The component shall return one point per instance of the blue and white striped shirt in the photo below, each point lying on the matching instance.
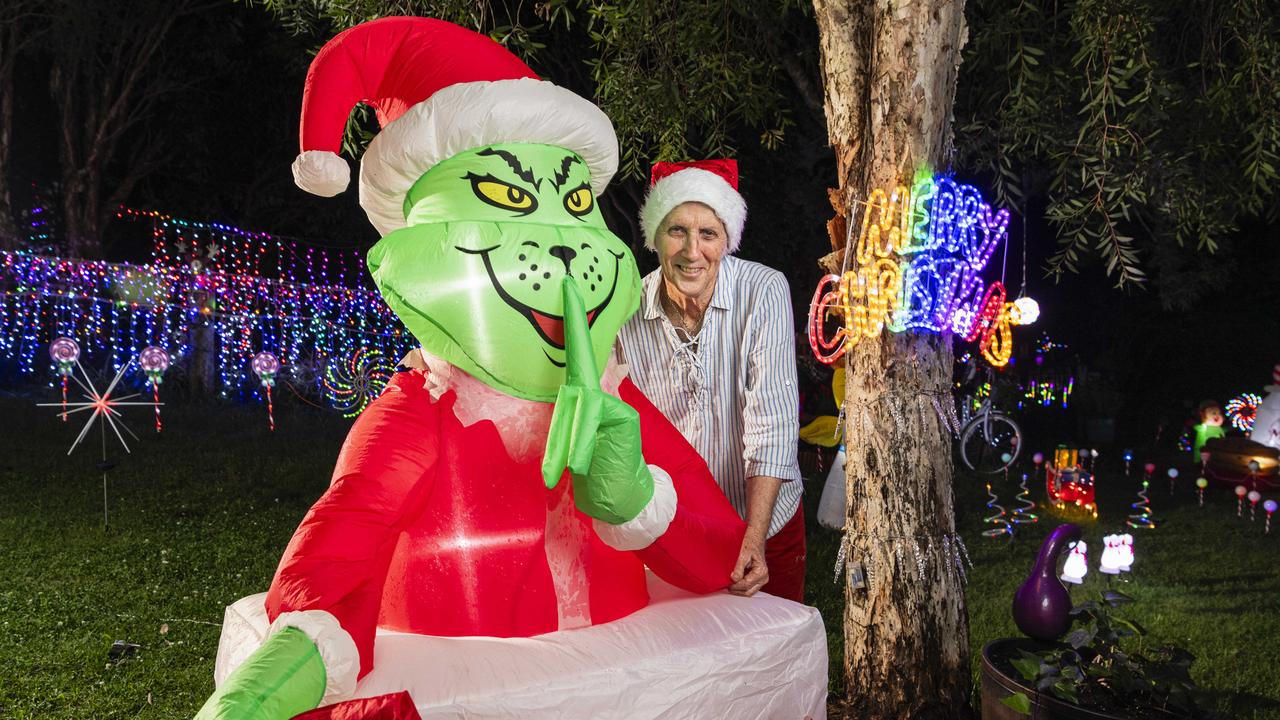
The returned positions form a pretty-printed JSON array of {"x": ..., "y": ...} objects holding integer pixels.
[{"x": 732, "y": 393}]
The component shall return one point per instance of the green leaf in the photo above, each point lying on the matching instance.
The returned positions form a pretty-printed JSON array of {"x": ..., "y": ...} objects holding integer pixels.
[
  {"x": 1028, "y": 669},
  {"x": 1115, "y": 598},
  {"x": 1019, "y": 702}
]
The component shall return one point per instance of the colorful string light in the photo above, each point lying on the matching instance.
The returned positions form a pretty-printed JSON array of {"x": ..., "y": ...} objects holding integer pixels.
[
  {"x": 919, "y": 257},
  {"x": 1242, "y": 410},
  {"x": 1023, "y": 515},
  {"x": 998, "y": 520},
  {"x": 247, "y": 290}
]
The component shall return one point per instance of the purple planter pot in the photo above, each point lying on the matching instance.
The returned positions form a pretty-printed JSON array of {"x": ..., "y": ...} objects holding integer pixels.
[{"x": 1042, "y": 606}]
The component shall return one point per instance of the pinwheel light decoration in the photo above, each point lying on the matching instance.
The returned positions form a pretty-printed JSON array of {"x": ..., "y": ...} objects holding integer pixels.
[{"x": 354, "y": 383}]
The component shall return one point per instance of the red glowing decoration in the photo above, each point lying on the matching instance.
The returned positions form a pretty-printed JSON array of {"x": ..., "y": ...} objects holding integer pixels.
[{"x": 1067, "y": 483}]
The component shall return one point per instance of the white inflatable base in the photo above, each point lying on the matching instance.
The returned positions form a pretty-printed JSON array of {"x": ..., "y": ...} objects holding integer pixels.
[{"x": 683, "y": 656}]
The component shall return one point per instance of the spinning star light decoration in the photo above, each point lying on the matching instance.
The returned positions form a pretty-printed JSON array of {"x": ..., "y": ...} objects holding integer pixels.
[{"x": 102, "y": 404}]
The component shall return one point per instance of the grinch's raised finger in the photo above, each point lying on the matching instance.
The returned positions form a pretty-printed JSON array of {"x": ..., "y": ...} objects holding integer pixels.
[{"x": 580, "y": 358}]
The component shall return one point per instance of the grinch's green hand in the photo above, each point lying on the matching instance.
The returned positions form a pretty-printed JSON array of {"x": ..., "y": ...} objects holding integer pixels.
[
  {"x": 594, "y": 434},
  {"x": 282, "y": 678}
]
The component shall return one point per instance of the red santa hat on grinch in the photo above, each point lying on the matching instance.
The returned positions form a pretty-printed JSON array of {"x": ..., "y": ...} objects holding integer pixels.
[
  {"x": 713, "y": 183},
  {"x": 437, "y": 89}
]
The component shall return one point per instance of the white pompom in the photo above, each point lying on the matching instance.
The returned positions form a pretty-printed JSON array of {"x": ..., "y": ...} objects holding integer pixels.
[{"x": 321, "y": 172}]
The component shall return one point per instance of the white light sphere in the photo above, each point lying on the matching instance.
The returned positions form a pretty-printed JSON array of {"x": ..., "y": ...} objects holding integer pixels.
[{"x": 1028, "y": 311}]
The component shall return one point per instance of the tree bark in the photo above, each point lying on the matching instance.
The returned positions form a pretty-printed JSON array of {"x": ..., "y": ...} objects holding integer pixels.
[{"x": 889, "y": 71}]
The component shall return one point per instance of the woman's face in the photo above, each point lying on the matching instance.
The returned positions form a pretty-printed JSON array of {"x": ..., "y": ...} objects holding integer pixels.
[{"x": 691, "y": 242}]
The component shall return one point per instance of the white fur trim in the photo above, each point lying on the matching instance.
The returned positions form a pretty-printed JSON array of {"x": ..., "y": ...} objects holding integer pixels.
[
  {"x": 640, "y": 531},
  {"x": 337, "y": 650},
  {"x": 321, "y": 172},
  {"x": 470, "y": 115},
  {"x": 694, "y": 185}
]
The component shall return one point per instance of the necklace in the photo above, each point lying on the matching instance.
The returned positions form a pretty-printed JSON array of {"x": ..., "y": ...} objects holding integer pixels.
[{"x": 677, "y": 316}]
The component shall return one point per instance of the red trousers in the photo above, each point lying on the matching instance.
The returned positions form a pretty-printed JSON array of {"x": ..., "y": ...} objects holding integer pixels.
[{"x": 784, "y": 556}]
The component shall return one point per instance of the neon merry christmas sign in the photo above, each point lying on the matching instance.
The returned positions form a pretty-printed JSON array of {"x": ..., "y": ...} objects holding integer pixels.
[{"x": 918, "y": 265}]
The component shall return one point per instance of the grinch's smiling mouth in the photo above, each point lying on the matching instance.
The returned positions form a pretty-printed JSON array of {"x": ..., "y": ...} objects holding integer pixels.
[{"x": 549, "y": 327}]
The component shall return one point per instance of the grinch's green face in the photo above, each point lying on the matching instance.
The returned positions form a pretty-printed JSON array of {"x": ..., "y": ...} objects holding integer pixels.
[{"x": 476, "y": 275}]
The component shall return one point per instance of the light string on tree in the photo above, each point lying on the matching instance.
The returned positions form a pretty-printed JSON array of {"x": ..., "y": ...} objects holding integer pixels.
[
  {"x": 1242, "y": 411},
  {"x": 918, "y": 262},
  {"x": 946, "y": 551}
]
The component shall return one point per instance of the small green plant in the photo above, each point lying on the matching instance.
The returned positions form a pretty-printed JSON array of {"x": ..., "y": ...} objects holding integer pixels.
[{"x": 1105, "y": 664}]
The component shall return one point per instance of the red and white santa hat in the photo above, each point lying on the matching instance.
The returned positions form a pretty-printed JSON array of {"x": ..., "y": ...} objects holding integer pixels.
[
  {"x": 713, "y": 183},
  {"x": 438, "y": 89}
]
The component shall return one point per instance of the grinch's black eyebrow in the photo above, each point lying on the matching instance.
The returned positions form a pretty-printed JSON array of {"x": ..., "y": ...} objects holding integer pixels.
[
  {"x": 516, "y": 167},
  {"x": 563, "y": 174}
]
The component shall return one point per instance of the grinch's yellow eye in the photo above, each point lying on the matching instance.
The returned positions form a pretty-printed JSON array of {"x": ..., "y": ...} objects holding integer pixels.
[
  {"x": 580, "y": 201},
  {"x": 503, "y": 195}
]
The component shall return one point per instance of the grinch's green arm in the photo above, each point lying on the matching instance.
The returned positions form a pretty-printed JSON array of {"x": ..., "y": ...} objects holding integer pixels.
[
  {"x": 282, "y": 678},
  {"x": 594, "y": 434}
]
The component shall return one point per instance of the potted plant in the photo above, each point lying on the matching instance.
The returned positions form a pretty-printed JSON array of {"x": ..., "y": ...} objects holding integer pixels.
[{"x": 1104, "y": 669}]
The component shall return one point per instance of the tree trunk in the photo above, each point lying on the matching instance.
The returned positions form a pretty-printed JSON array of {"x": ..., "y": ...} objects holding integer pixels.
[
  {"x": 889, "y": 70},
  {"x": 10, "y": 238}
]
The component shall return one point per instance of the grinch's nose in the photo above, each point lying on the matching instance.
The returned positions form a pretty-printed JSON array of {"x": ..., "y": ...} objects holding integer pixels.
[{"x": 566, "y": 255}]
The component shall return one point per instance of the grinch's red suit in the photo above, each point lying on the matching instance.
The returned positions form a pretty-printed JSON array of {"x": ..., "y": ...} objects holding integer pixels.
[{"x": 430, "y": 526}]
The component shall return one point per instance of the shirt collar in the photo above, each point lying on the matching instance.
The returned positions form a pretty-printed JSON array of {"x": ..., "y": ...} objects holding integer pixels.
[{"x": 721, "y": 297}]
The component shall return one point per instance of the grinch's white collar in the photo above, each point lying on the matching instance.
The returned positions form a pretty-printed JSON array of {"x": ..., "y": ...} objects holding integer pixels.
[{"x": 522, "y": 424}]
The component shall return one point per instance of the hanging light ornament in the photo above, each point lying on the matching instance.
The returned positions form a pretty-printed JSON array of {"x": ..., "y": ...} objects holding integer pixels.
[
  {"x": 351, "y": 385},
  {"x": 1242, "y": 410}
]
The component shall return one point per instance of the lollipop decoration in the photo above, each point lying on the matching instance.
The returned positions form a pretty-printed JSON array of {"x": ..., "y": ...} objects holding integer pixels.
[
  {"x": 1000, "y": 525},
  {"x": 1270, "y": 507},
  {"x": 351, "y": 385},
  {"x": 1142, "y": 520},
  {"x": 1204, "y": 461},
  {"x": 66, "y": 353},
  {"x": 1242, "y": 411},
  {"x": 1253, "y": 473},
  {"x": 1128, "y": 458},
  {"x": 1038, "y": 459},
  {"x": 1254, "y": 496},
  {"x": 1149, "y": 470},
  {"x": 1173, "y": 476},
  {"x": 154, "y": 361},
  {"x": 1201, "y": 484},
  {"x": 1023, "y": 515},
  {"x": 1240, "y": 493},
  {"x": 266, "y": 365}
]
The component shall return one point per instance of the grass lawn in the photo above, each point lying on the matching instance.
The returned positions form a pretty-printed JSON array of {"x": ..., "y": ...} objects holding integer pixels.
[{"x": 201, "y": 513}]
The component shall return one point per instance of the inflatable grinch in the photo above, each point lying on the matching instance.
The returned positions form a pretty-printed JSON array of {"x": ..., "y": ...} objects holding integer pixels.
[{"x": 519, "y": 485}]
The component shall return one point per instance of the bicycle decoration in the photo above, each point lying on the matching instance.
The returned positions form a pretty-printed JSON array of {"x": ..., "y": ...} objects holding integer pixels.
[
  {"x": 1000, "y": 525},
  {"x": 265, "y": 365},
  {"x": 1142, "y": 519},
  {"x": 917, "y": 266},
  {"x": 1023, "y": 515},
  {"x": 154, "y": 361},
  {"x": 65, "y": 353},
  {"x": 990, "y": 441},
  {"x": 1242, "y": 411},
  {"x": 351, "y": 385},
  {"x": 1067, "y": 484},
  {"x": 1201, "y": 484}
]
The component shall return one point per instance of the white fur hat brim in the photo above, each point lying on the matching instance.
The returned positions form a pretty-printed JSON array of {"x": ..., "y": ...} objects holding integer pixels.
[
  {"x": 469, "y": 115},
  {"x": 694, "y": 185}
]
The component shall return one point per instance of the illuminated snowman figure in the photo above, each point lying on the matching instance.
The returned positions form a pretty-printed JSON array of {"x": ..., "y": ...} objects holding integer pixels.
[{"x": 1077, "y": 565}]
